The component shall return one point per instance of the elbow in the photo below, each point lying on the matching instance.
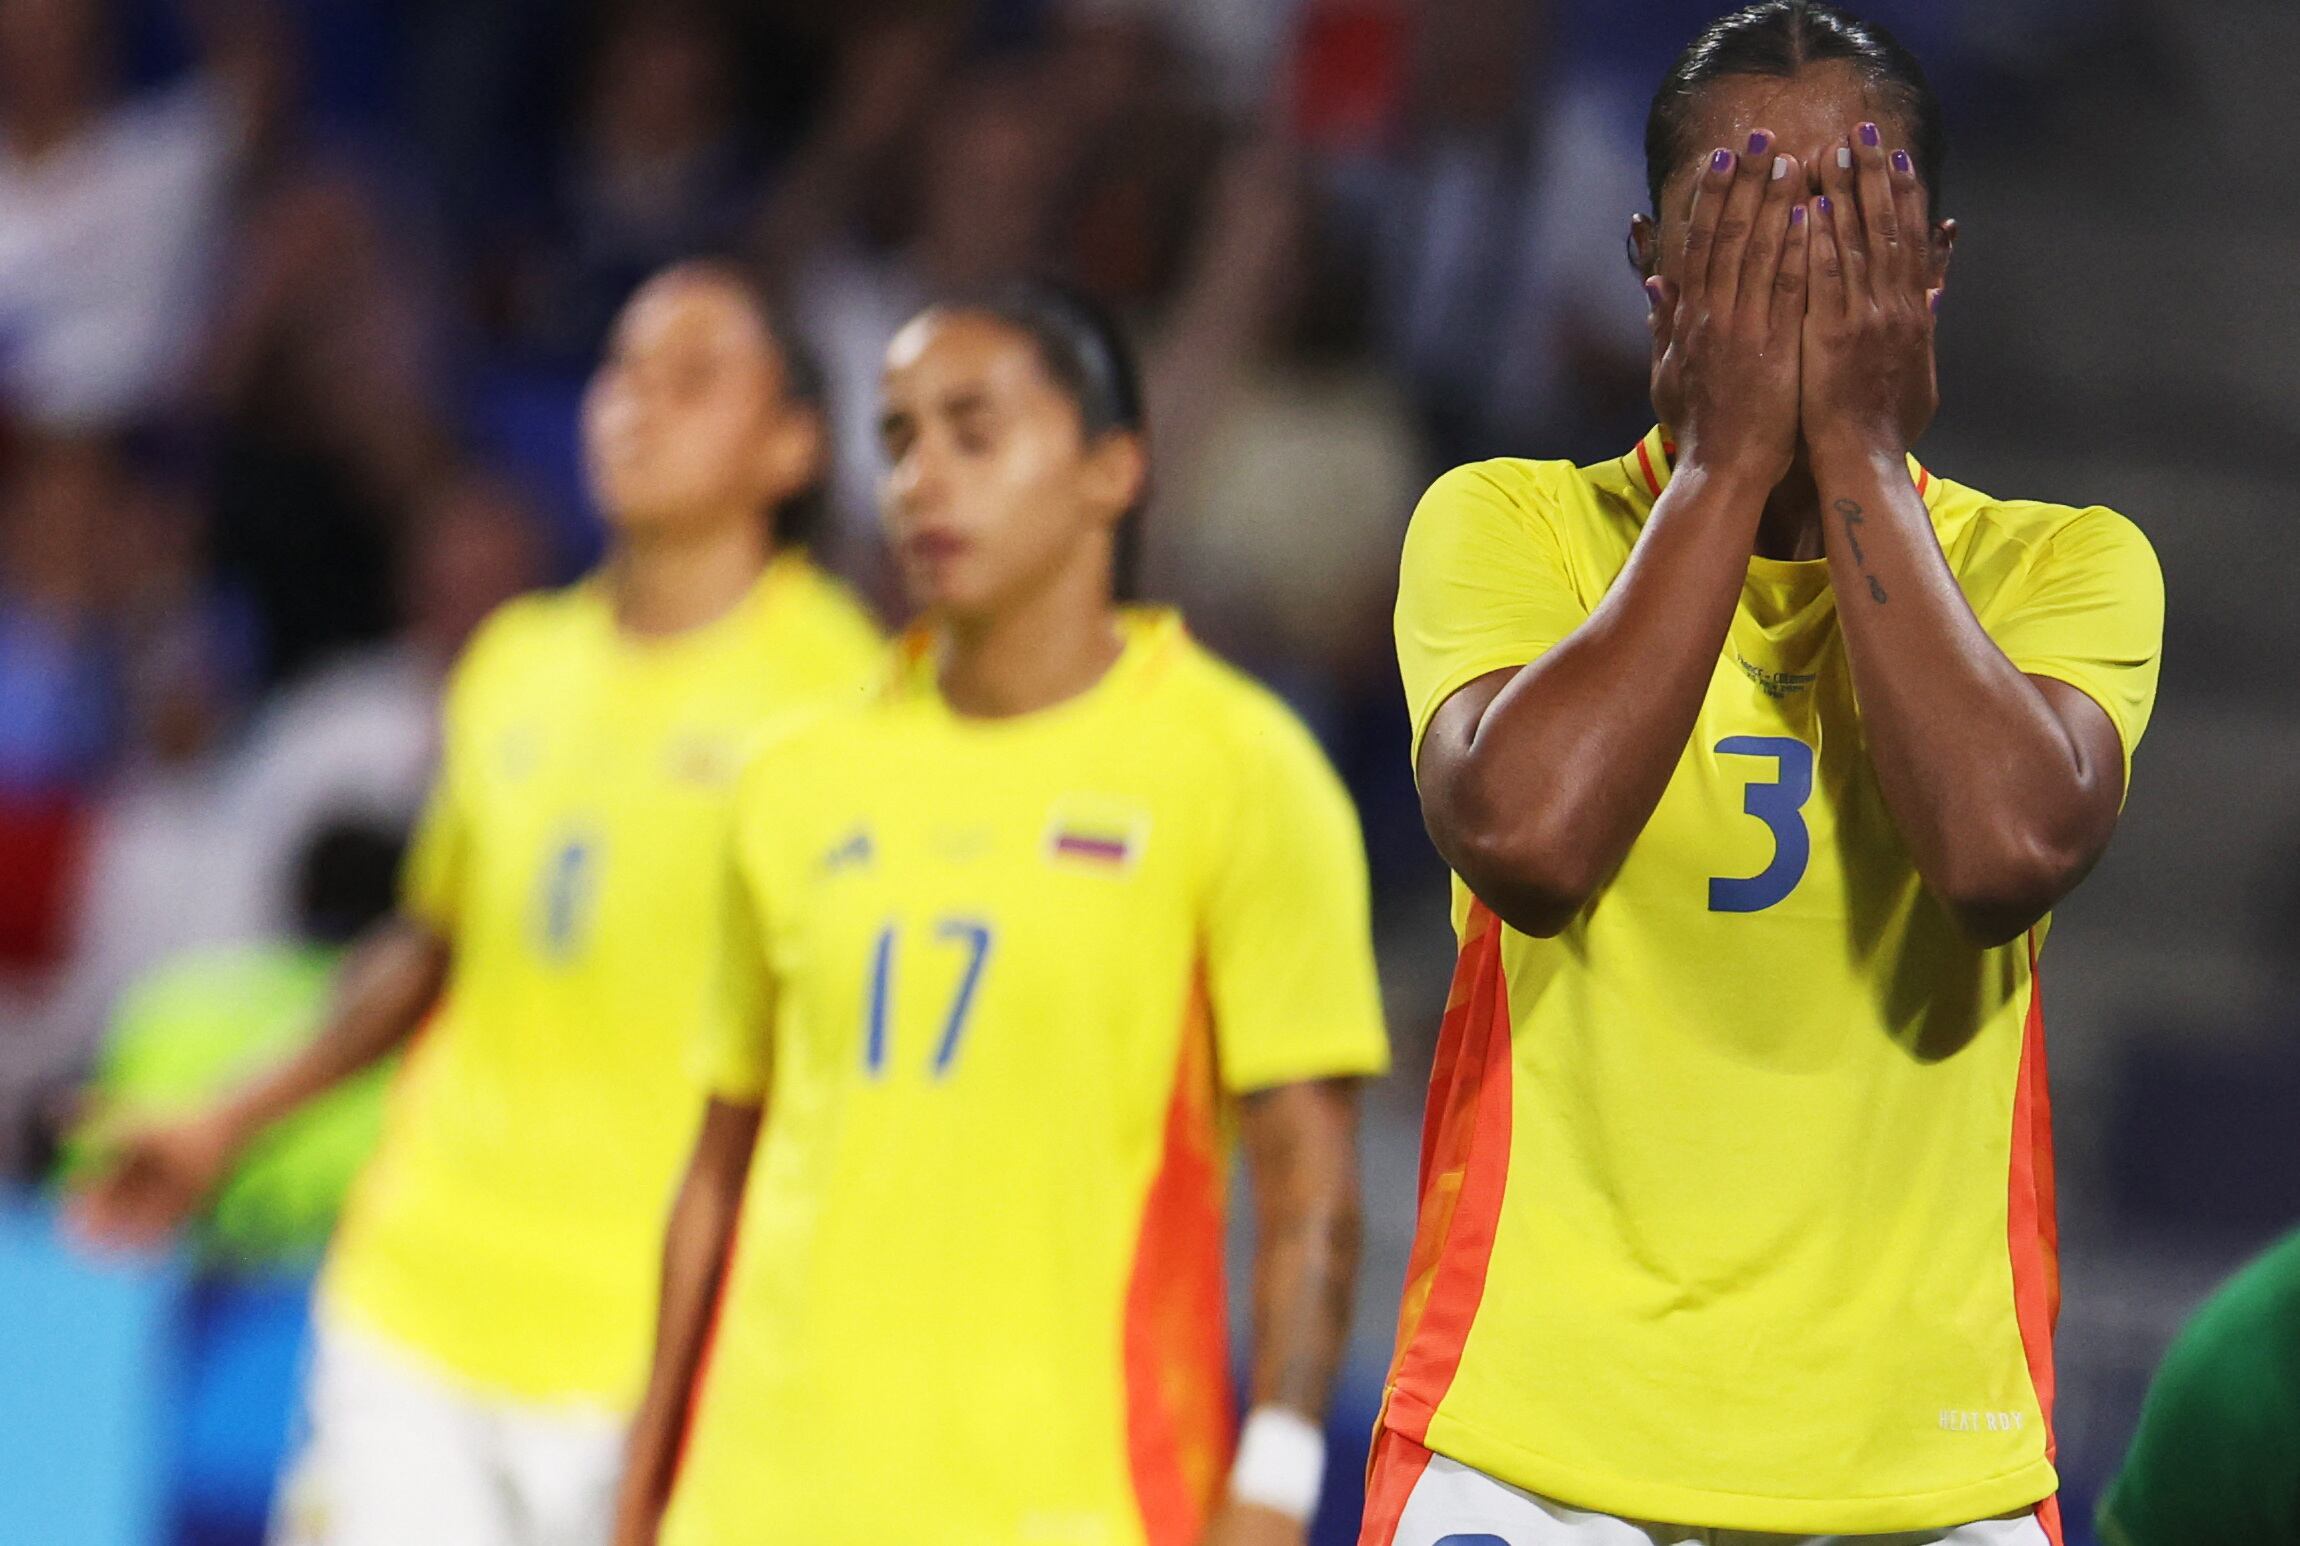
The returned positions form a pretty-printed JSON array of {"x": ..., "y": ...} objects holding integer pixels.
[
  {"x": 1536, "y": 881},
  {"x": 1997, "y": 889}
]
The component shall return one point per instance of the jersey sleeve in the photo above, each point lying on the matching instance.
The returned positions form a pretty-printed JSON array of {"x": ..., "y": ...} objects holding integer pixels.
[
  {"x": 1288, "y": 936},
  {"x": 431, "y": 879},
  {"x": 734, "y": 1052},
  {"x": 2092, "y": 616},
  {"x": 433, "y": 875},
  {"x": 1483, "y": 586},
  {"x": 734, "y": 1046}
]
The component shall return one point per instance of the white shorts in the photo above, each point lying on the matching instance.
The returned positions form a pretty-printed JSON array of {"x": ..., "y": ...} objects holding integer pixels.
[
  {"x": 397, "y": 1455},
  {"x": 1449, "y": 1504}
]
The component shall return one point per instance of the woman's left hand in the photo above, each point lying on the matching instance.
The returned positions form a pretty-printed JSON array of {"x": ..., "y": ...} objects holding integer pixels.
[{"x": 1868, "y": 381}]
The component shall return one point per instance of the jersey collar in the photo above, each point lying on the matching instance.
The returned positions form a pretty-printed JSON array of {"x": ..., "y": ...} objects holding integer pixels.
[{"x": 1153, "y": 637}]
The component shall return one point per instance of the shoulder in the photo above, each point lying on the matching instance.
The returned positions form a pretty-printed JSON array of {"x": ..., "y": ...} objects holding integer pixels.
[
  {"x": 1482, "y": 510},
  {"x": 1253, "y": 733},
  {"x": 2027, "y": 557},
  {"x": 808, "y": 760},
  {"x": 519, "y": 634},
  {"x": 824, "y": 610},
  {"x": 1503, "y": 486},
  {"x": 784, "y": 752},
  {"x": 2039, "y": 527}
]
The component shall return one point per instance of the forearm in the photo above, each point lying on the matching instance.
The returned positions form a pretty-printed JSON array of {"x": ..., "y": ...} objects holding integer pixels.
[
  {"x": 382, "y": 993},
  {"x": 1302, "y": 1154},
  {"x": 696, "y": 1247},
  {"x": 1983, "y": 780},
  {"x": 1561, "y": 771}
]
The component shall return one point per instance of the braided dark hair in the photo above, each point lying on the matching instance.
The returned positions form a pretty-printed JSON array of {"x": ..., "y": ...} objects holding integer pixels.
[{"x": 1779, "y": 38}]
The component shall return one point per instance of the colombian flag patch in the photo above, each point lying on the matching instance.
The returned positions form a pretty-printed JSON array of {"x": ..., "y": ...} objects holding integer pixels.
[{"x": 1100, "y": 839}]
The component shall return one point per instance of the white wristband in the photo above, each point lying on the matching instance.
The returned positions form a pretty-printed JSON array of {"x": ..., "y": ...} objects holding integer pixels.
[{"x": 1281, "y": 1462}]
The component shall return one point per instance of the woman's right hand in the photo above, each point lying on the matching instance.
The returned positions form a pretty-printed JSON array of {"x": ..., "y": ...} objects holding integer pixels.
[
  {"x": 153, "y": 1178},
  {"x": 1728, "y": 327}
]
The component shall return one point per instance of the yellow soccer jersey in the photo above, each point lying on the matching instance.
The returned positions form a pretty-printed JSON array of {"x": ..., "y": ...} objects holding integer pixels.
[
  {"x": 1000, "y": 976},
  {"x": 1737, "y": 1199},
  {"x": 508, "y": 1230}
]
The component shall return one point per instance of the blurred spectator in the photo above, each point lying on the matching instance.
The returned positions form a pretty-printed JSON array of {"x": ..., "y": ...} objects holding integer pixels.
[
  {"x": 1450, "y": 203},
  {"x": 188, "y": 644},
  {"x": 319, "y": 385},
  {"x": 1500, "y": 220},
  {"x": 1284, "y": 511},
  {"x": 59, "y": 705},
  {"x": 141, "y": 885},
  {"x": 1284, "y": 501},
  {"x": 1572, "y": 352},
  {"x": 989, "y": 168},
  {"x": 108, "y": 211},
  {"x": 1139, "y": 183},
  {"x": 360, "y": 735},
  {"x": 185, "y": 1031},
  {"x": 657, "y": 170},
  {"x": 128, "y": 669},
  {"x": 192, "y": 842}
]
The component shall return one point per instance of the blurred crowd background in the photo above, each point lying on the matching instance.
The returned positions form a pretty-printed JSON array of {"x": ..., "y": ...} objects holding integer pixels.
[{"x": 296, "y": 301}]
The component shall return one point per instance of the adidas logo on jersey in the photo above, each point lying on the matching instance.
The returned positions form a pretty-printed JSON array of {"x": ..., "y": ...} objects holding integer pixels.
[{"x": 856, "y": 851}]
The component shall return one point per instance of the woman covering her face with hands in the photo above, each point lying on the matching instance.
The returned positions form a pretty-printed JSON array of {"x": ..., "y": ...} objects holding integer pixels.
[{"x": 1761, "y": 754}]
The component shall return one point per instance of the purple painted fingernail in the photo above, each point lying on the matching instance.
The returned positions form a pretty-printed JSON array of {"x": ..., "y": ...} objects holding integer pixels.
[
  {"x": 1758, "y": 141},
  {"x": 1720, "y": 159},
  {"x": 1797, "y": 215},
  {"x": 1869, "y": 136},
  {"x": 1652, "y": 295},
  {"x": 1901, "y": 162},
  {"x": 1935, "y": 300},
  {"x": 1826, "y": 206}
]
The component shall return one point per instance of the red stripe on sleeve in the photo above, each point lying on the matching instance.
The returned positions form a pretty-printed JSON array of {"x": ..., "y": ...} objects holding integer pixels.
[{"x": 1464, "y": 1170}]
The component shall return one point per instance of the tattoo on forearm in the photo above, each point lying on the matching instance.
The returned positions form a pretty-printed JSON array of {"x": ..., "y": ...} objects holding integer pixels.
[
  {"x": 1307, "y": 1227},
  {"x": 1853, "y": 519},
  {"x": 1305, "y": 1313},
  {"x": 1302, "y": 1305}
]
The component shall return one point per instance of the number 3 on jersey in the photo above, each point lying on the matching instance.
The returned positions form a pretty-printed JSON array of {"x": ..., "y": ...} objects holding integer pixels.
[
  {"x": 1779, "y": 802},
  {"x": 970, "y": 935}
]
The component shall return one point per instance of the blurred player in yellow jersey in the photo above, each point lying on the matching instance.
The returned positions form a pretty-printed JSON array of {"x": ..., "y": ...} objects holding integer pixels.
[
  {"x": 1010, "y": 949},
  {"x": 485, "y": 1310}
]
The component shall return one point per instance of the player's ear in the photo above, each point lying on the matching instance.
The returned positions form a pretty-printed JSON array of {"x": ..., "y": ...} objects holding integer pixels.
[
  {"x": 1117, "y": 469},
  {"x": 1944, "y": 245},
  {"x": 1644, "y": 245},
  {"x": 793, "y": 452}
]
